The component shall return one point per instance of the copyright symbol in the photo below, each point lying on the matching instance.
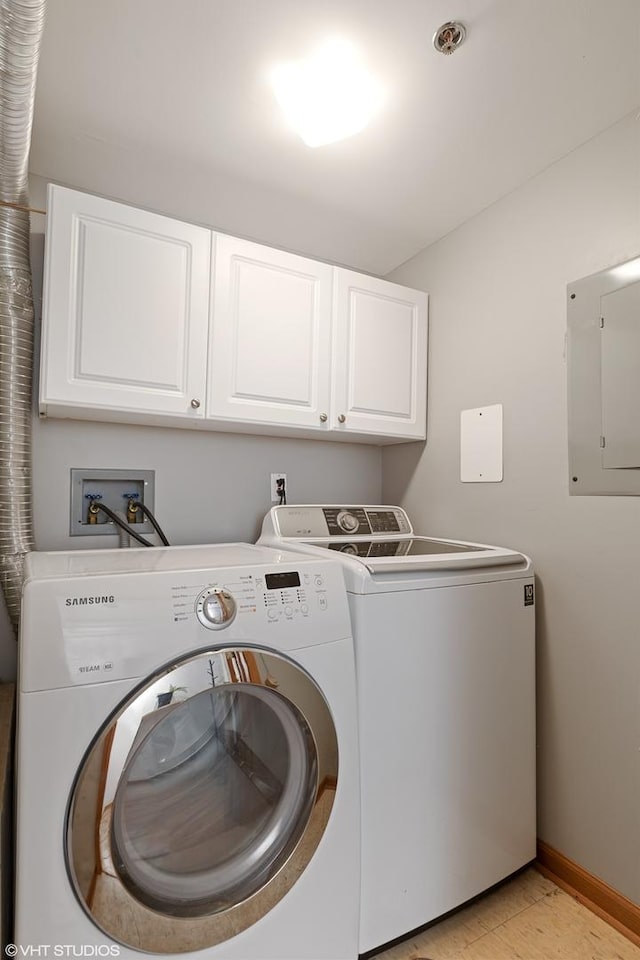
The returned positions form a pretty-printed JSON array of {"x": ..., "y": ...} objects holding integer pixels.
[{"x": 11, "y": 950}]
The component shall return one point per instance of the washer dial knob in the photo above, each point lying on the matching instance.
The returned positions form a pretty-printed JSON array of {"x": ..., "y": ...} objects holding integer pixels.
[
  {"x": 215, "y": 609},
  {"x": 347, "y": 521}
]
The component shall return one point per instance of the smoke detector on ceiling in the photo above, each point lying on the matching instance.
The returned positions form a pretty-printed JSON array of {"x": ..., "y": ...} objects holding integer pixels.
[{"x": 448, "y": 37}]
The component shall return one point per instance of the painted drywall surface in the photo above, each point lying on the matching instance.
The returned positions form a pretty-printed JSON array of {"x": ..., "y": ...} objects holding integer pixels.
[
  {"x": 209, "y": 487},
  {"x": 497, "y": 324}
]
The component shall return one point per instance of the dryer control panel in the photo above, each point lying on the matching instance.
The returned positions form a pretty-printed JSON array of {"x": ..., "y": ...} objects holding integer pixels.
[
  {"x": 289, "y": 596},
  {"x": 109, "y": 626}
]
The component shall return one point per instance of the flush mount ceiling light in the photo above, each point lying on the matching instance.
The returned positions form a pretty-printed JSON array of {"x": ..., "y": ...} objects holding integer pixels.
[
  {"x": 448, "y": 37},
  {"x": 329, "y": 96}
]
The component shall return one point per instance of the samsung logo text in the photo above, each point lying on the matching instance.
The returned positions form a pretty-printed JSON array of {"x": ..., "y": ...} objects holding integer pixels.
[{"x": 87, "y": 601}]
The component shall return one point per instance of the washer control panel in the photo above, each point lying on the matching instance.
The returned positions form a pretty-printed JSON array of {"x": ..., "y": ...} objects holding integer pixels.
[
  {"x": 314, "y": 522},
  {"x": 364, "y": 521}
]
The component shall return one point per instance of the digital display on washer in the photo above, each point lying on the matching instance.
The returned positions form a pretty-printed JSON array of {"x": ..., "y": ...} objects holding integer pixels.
[
  {"x": 383, "y": 521},
  {"x": 280, "y": 581}
]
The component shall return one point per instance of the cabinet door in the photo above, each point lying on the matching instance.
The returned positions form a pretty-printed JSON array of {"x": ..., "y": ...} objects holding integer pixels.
[
  {"x": 269, "y": 347},
  {"x": 379, "y": 357},
  {"x": 126, "y": 306}
]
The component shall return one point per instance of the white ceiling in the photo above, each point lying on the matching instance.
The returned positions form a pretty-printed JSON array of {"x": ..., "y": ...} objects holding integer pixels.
[{"x": 165, "y": 104}]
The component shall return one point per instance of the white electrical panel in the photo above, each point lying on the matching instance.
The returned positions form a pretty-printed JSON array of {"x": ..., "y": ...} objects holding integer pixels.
[
  {"x": 620, "y": 376},
  {"x": 603, "y": 376}
]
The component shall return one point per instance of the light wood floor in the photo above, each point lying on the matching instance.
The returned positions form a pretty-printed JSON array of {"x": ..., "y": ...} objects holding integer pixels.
[{"x": 528, "y": 918}]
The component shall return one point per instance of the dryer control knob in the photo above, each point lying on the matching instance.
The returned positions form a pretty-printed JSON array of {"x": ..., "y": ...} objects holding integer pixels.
[
  {"x": 215, "y": 609},
  {"x": 347, "y": 522}
]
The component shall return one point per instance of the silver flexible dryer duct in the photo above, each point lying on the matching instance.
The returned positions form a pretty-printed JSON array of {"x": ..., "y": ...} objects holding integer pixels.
[{"x": 21, "y": 26}]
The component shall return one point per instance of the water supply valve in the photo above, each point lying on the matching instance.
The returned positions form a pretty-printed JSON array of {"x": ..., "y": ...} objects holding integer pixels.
[
  {"x": 133, "y": 507},
  {"x": 94, "y": 509}
]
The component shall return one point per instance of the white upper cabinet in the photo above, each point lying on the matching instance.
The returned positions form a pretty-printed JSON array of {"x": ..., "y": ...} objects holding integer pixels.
[
  {"x": 379, "y": 358},
  {"x": 151, "y": 320},
  {"x": 125, "y": 316},
  {"x": 269, "y": 352}
]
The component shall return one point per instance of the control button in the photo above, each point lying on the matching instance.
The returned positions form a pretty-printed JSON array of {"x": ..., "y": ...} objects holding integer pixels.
[
  {"x": 216, "y": 609},
  {"x": 322, "y": 603},
  {"x": 288, "y": 612},
  {"x": 272, "y": 613},
  {"x": 347, "y": 521},
  {"x": 319, "y": 582},
  {"x": 304, "y": 608}
]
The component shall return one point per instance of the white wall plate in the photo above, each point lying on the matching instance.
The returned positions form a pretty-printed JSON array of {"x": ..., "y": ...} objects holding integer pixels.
[{"x": 481, "y": 444}]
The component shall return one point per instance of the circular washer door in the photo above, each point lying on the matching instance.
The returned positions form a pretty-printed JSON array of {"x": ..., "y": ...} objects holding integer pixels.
[{"x": 202, "y": 799}]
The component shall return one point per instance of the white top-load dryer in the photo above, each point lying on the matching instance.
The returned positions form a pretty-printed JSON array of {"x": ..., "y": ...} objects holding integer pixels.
[
  {"x": 187, "y": 756},
  {"x": 444, "y": 635}
]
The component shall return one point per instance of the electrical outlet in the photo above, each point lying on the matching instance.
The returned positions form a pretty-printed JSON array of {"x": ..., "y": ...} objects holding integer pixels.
[{"x": 275, "y": 493}]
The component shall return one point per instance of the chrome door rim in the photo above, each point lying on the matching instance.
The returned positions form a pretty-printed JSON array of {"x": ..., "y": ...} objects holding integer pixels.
[{"x": 103, "y": 891}]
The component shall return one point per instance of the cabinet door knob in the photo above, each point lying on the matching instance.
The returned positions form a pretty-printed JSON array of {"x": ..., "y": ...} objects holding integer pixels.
[
  {"x": 341, "y": 418},
  {"x": 195, "y": 404},
  {"x": 323, "y": 418}
]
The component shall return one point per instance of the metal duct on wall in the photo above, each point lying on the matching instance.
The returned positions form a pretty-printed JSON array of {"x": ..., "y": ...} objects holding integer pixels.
[{"x": 21, "y": 26}]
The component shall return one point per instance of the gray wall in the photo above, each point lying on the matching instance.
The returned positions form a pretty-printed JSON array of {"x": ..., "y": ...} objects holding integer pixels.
[
  {"x": 210, "y": 487},
  {"x": 497, "y": 326}
]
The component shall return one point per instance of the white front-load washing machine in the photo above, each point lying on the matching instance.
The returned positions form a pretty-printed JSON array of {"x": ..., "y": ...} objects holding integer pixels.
[
  {"x": 445, "y": 647},
  {"x": 187, "y": 756}
]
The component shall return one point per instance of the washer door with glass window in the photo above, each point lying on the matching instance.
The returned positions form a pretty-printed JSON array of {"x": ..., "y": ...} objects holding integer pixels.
[{"x": 201, "y": 801}]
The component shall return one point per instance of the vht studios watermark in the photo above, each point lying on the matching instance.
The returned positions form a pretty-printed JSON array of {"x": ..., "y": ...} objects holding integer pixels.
[{"x": 62, "y": 950}]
